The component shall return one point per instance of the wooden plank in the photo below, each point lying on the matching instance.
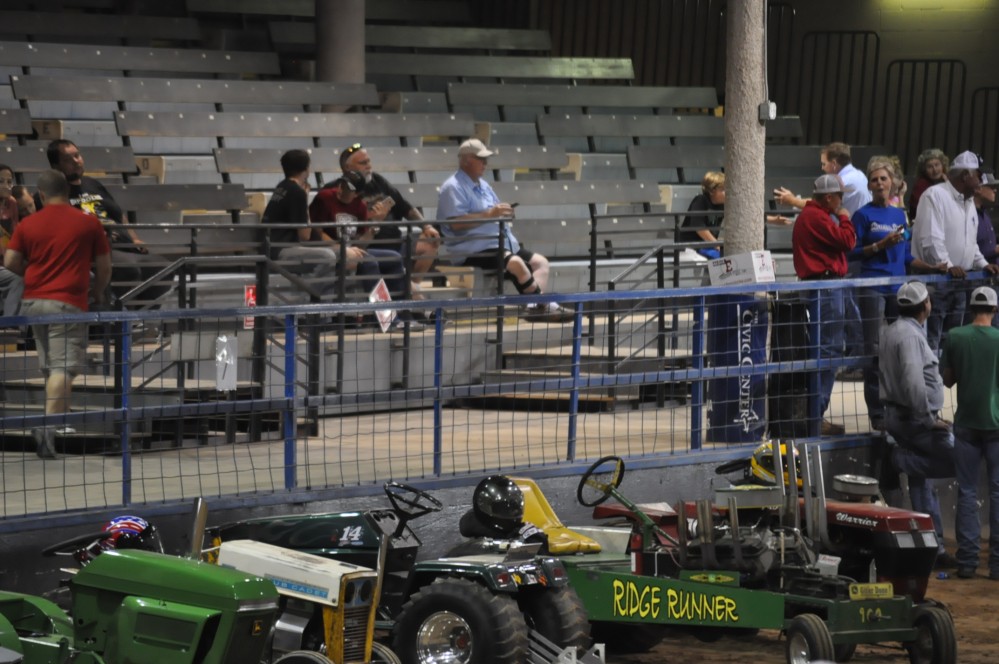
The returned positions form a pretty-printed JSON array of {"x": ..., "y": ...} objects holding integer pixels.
[
  {"x": 171, "y": 197},
  {"x": 253, "y": 160},
  {"x": 300, "y": 37},
  {"x": 348, "y": 125},
  {"x": 677, "y": 156},
  {"x": 430, "y": 11},
  {"x": 625, "y": 125},
  {"x": 172, "y": 90},
  {"x": 15, "y": 121},
  {"x": 500, "y": 66},
  {"x": 136, "y": 58},
  {"x": 106, "y": 26},
  {"x": 519, "y": 94},
  {"x": 32, "y": 159},
  {"x": 549, "y": 192}
]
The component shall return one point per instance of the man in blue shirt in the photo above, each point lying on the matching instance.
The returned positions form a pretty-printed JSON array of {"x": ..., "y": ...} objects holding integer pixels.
[{"x": 473, "y": 237}]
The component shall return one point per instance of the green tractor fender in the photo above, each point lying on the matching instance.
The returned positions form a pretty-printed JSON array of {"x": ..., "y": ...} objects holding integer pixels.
[{"x": 494, "y": 577}]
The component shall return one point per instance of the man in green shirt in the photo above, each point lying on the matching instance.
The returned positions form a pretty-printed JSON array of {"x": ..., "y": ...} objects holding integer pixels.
[{"x": 971, "y": 361}]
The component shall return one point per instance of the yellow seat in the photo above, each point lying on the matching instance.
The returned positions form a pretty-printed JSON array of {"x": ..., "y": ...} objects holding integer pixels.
[{"x": 537, "y": 510}]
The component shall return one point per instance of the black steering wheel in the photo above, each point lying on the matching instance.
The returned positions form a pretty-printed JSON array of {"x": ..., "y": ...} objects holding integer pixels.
[
  {"x": 410, "y": 503},
  {"x": 76, "y": 544},
  {"x": 600, "y": 480}
]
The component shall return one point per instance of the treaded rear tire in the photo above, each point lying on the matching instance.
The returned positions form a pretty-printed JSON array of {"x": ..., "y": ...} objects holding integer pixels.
[
  {"x": 558, "y": 614},
  {"x": 497, "y": 633},
  {"x": 936, "y": 642}
]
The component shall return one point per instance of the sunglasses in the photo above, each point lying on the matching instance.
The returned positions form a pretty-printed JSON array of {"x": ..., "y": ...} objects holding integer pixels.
[{"x": 352, "y": 149}]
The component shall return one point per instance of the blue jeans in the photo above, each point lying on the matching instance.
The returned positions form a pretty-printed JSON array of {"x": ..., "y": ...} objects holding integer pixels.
[
  {"x": 875, "y": 308},
  {"x": 971, "y": 446},
  {"x": 923, "y": 454},
  {"x": 949, "y": 300},
  {"x": 383, "y": 263},
  {"x": 829, "y": 332}
]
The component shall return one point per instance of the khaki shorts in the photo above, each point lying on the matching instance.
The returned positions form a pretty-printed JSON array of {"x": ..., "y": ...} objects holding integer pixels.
[{"x": 61, "y": 347}]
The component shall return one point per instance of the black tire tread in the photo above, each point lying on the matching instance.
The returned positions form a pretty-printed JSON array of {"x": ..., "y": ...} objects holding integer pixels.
[
  {"x": 816, "y": 633},
  {"x": 941, "y": 625},
  {"x": 559, "y": 615},
  {"x": 508, "y": 629}
]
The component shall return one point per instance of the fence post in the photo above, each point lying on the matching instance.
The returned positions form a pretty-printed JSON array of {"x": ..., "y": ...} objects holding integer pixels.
[
  {"x": 438, "y": 371},
  {"x": 697, "y": 385},
  {"x": 288, "y": 416},
  {"x": 577, "y": 342},
  {"x": 124, "y": 379}
]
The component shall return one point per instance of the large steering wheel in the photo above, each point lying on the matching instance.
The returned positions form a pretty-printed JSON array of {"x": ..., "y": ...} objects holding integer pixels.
[
  {"x": 75, "y": 545},
  {"x": 410, "y": 503},
  {"x": 600, "y": 480}
]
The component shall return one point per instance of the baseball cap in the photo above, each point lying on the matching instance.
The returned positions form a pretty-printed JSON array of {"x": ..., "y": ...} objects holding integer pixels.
[
  {"x": 830, "y": 184},
  {"x": 353, "y": 180},
  {"x": 984, "y": 295},
  {"x": 966, "y": 160},
  {"x": 989, "y": 180},
  {"x": 911, "y": 292},
  {"x": 475, "y": 147}
]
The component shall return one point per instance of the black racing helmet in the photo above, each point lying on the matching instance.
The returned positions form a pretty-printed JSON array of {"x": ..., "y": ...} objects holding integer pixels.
[{"x": 498, "y": 504}]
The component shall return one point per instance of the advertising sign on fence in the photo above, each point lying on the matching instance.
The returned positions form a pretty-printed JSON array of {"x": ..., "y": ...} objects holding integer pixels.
[{"x": 754, "y": 267}]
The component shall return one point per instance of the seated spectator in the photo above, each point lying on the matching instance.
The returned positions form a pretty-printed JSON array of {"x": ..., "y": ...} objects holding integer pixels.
[
  {"x": 711, "y": 199},
  {"x": 25, "y": 203},
  {"x": 304, "y": 250},
  {"x": 131, "y": 261},
  {"x": 467, "y": 198},
  {"x": 384, "y": 202},
  {"x": 931, "y": 169},
  {"x": 11, "y": 284},
  {"x": 341, "y": 202}
]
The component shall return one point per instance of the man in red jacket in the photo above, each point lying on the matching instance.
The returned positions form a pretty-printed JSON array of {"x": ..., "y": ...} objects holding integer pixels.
[
  {"x": 53, "y": 250},
  {"x": 822, "y": 237}
]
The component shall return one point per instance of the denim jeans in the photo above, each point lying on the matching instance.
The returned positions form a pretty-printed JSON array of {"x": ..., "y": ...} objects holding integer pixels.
[
  {"x": 876, "y": 308},
  {"x": 922, "y": 454},
  {"x": 829, "y": 330},
  {"x": 970, "y": 448},
  {"x": 949, "y": 300},
  {"x": 383, "y": 263}
]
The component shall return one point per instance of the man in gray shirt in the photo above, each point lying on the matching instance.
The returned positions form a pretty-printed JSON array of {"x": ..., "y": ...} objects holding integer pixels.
[{"x": 913, "y": 393}]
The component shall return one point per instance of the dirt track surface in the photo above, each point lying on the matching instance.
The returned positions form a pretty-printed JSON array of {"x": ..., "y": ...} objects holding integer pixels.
[{"x": 974, "y": 604}]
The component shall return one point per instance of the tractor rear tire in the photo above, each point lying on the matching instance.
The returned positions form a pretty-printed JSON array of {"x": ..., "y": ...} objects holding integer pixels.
[
  {"x": 808, "y": 640},
  {"x": 558, "y": 614},
  {"x": 628, "y": 638},
  {"x": 460, "y": 621},
  {"x": 302, "y": 657},
  {"x": 844, "y": 651},
  {"x": 935, "y": 642}
]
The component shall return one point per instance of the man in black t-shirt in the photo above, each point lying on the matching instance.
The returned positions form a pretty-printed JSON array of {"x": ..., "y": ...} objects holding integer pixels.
[
  {"x": 385, "y": 202},
  {"x": 131, "y": 262},
  {"x": 304, "y": 250}
]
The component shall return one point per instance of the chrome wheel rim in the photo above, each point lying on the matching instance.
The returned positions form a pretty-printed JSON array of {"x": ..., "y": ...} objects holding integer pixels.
[
  {"x": 444, "y": 638},
  {"x": 797, "y": 647}
]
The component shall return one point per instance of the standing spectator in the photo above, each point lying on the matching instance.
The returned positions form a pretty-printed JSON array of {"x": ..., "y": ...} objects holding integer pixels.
[
  {"x": 985, "y": 198},
  {"x": 303, "y": 250},
  {"x": 384, "y": 202},
  {"x": 342, "y": 203},
  {"x": 466, "y": 198},
  {"x": 945, "y": 231},
  {"x": 132, "y": 261},
  {"x": 834, "y": 160},
  {"x": 11, "y": 285},
  {"x": 53, "y": 250},
  {"x": 883, "y": 252},
  {"x": 931, "y": 169},
  {"x": 971, "y": 361},
  {"x": 912, "y": 392},
  {"x": 822, "y": 236}
]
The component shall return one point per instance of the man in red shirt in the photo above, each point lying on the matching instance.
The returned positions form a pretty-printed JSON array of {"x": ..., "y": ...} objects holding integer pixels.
[
  {"x": 53, "y": 250},
  {"x": 822, "y": 237}
]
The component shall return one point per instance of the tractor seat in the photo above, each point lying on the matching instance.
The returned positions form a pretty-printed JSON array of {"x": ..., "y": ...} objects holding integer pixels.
[{"x": 537, "y": 510}]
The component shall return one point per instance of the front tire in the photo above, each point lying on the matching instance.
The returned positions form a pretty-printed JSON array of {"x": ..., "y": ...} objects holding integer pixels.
[
  {"x": 302, "y": 657},
  {"x": 558, "y": 614},
  {"x": 935, "y": 642},
  {"x": 808, "y": 640},
  {"x": 457, "y": 621},
  {"x": 382, "y": 654}
]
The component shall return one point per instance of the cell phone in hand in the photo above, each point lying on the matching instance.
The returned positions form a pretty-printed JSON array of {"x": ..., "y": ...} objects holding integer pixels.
[
  {"x": 513, "y": 205},
  {"x": 388, "y": 200}
]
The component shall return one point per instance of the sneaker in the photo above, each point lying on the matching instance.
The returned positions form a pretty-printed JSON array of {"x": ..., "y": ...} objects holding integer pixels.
[
  {"x": 553, "y": 313},
  {"x": 851, "y": 374},
  {"x": 66, "y": 431},
  {"x": 830, "y": 429},
  {"x": 398, "y": 324},
  {"x": 965, "y": 572},
  {"x": 44, "y": 442},
  {"x": 945, "y": 561}
]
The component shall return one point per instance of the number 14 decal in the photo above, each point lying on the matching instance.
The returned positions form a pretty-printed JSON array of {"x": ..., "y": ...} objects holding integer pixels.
[{"x": 351, "y": 535}]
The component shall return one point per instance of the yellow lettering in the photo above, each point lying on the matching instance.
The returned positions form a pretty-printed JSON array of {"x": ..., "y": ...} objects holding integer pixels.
[
  {"x": 655, "y": 602},
  {"x": 632, "y": 599},
  {"x": 672, "y": 597},
  {"x": 646, "y": 602},
  {"x": 619, "y": 609},
  {"x": 730, "y": 614},
  {"x": 643, "y": 606}
]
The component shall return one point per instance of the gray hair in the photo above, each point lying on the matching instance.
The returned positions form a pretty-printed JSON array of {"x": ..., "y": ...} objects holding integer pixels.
[{"x": 53, "y": 184}]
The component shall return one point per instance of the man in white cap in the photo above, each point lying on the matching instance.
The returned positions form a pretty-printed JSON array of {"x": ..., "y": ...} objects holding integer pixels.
[
  {"x": 820, "y": 241},
  {"x": 971, "y": 361},
  {"x": 474, "y": 209},
  {"x": 912, "y": 392},
  {"x": 945, "y": 231}
]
